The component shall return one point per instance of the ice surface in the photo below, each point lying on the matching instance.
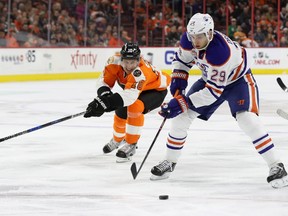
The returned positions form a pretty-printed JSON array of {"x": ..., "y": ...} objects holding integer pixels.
[{"x": 61, "y": 170}]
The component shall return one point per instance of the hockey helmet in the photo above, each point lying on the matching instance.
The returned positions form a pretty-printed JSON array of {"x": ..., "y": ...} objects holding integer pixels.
[
  {"x": 130, "y": 51},
  {"x": 200, "y": 23}
]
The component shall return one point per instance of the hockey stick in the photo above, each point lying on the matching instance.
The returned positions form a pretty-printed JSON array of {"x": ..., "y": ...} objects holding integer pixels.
[
  {"x": 282, "y": 113},
  {"x": 42, "y": 126},
  {"x": 133, "y": 167},
  {"x": 281, "y": 84}
]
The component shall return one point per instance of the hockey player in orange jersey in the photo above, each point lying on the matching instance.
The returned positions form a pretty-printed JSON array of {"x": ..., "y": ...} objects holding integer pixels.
[{"x": 143, "y": 89}]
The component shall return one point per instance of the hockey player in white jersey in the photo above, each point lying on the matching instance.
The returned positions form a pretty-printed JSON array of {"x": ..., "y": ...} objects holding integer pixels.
[{"x": 226, "y": 76}]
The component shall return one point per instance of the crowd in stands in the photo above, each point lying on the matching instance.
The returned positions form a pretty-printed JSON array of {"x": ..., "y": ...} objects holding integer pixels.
[
  {"x": 105, "y": 23},
  {"x": 266, "y": 25}
]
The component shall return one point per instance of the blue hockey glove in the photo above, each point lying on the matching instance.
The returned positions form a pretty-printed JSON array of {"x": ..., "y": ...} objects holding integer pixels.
[
  {"x": 175, "y": 106},
  {"x": 179, "y": 82}
]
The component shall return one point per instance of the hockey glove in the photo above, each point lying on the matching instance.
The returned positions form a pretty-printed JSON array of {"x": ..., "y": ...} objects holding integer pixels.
[
  {"x": 179, "y": 82},
  {"x": 97, "y": 107},
  {"x": 175, "y": 106},
  {"x": 103, "y": 104},
  {"x": 104, "y": 91}
]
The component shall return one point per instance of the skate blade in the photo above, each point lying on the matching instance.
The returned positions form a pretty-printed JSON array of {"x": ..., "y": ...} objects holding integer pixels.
[
  {"x": 279, "y": 183},
  {"x": 123, "y": 160},
  {"x": 157, "y": 178}
]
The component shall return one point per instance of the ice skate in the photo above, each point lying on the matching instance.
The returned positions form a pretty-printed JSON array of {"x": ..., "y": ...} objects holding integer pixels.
[
  {"x": 112, "y": 145},
  {"x": 125, "y": 153},
  {"x": 278, "y": 176},
  {"x": 162, "y": 170}
]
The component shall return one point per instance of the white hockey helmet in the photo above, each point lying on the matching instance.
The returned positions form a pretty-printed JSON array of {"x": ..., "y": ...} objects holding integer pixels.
[{"x": 200, "y": 23}]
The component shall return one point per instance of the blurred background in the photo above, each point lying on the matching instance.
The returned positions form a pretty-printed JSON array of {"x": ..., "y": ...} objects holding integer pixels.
[{"x": 152, "y": 23}]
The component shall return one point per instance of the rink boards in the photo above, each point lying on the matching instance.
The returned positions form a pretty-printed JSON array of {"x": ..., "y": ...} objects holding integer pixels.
[{"x": 84, "y": 63}]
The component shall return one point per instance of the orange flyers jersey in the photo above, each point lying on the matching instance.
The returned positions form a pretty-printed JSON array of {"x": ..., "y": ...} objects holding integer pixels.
[{"x": 144, "y": 77}]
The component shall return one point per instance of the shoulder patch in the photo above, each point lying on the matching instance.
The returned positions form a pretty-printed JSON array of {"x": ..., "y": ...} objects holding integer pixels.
[
  {"x": 137, "y": 73},
  {"x": 185, "y": 43},
  {"x": 110, "y": 60},
  {"x": 218, "y": 51}
]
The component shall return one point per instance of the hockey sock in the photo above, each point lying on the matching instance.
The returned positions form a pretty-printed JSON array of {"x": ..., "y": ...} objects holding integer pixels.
[{"x": 251, "y": 126}]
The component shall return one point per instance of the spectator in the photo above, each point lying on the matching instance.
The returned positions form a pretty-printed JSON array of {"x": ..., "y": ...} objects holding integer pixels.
[
  {"x": 172, "y": 36},
  {"x": 124, "y": 36},
  {"x": 283, "y": 42},
  {"x": 167, "y": 27},
  {"x": 232, "y": 28},
  {"x": 269, "y": 41},
  {"x": 142, "y": 41},
  {"x": 283, "y": 15},
  {"x": 64, "y": 40},
  {"x": 176, "y": 19},
  {"x": 245, "y": 19},
  {"x": 139, "y": 13},
  {"x": 80, "y": 9},
  {"x": 2, "y": 39},
  {"x": 248, "y": 42},
  {"x": 72, "y": 37},
  {"x": 180, "y": 31},
  {"x": 259, "y": 36},
  {"x": 238, "y": 34},
  {"x": 103, "y": 40},
  {"x": 284, "y": 38},
  {"x": 109, "y": 9},
  {"x": 53, "y": 41},
  {"x": 102, "y": 13},
  {"x": 115, "y": 41},
  {"x": 31, "y": 41},
  {"x": 11, "y": 39}
]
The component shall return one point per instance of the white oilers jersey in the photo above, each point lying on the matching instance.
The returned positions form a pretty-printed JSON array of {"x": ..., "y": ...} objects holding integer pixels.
[{"x": 222, "y": 63}]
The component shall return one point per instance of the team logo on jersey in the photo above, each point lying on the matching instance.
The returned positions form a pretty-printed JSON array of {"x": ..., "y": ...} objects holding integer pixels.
[
  {"x": 194, "y": 53},
  {"x": 137, "y": 73}
]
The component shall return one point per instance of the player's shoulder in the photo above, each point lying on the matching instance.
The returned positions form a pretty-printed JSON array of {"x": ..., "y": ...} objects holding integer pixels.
[
  {"x": 114, "y": 60},
  {"x": 218, "y": 51},
  {"x": 185, "y": 42},
  {"x": 113, "y": 65},
  {"x": 145, "y": 65}
]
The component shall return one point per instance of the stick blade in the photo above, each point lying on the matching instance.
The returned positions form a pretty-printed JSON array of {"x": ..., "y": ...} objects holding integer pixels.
[
  {"x": 282, "y": 113},
  {"x": 281, "y": 84},
  {"x": 133, "y": 169}
]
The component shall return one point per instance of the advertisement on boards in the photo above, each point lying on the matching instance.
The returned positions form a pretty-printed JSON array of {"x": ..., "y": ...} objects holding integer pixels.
[{"x": 48, "y": 63}]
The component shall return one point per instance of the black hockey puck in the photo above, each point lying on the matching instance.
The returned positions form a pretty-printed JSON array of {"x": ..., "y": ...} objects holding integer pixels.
[{"x": 163, "y": 197}]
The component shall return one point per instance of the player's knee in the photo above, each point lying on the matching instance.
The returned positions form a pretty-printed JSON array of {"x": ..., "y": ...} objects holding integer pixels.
[
  {"x": 180, "y": 125},
  {"x": 136, "y": 109},
  {"x": 248, "y": 121},
  {"x": 137, "y": 106}
]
